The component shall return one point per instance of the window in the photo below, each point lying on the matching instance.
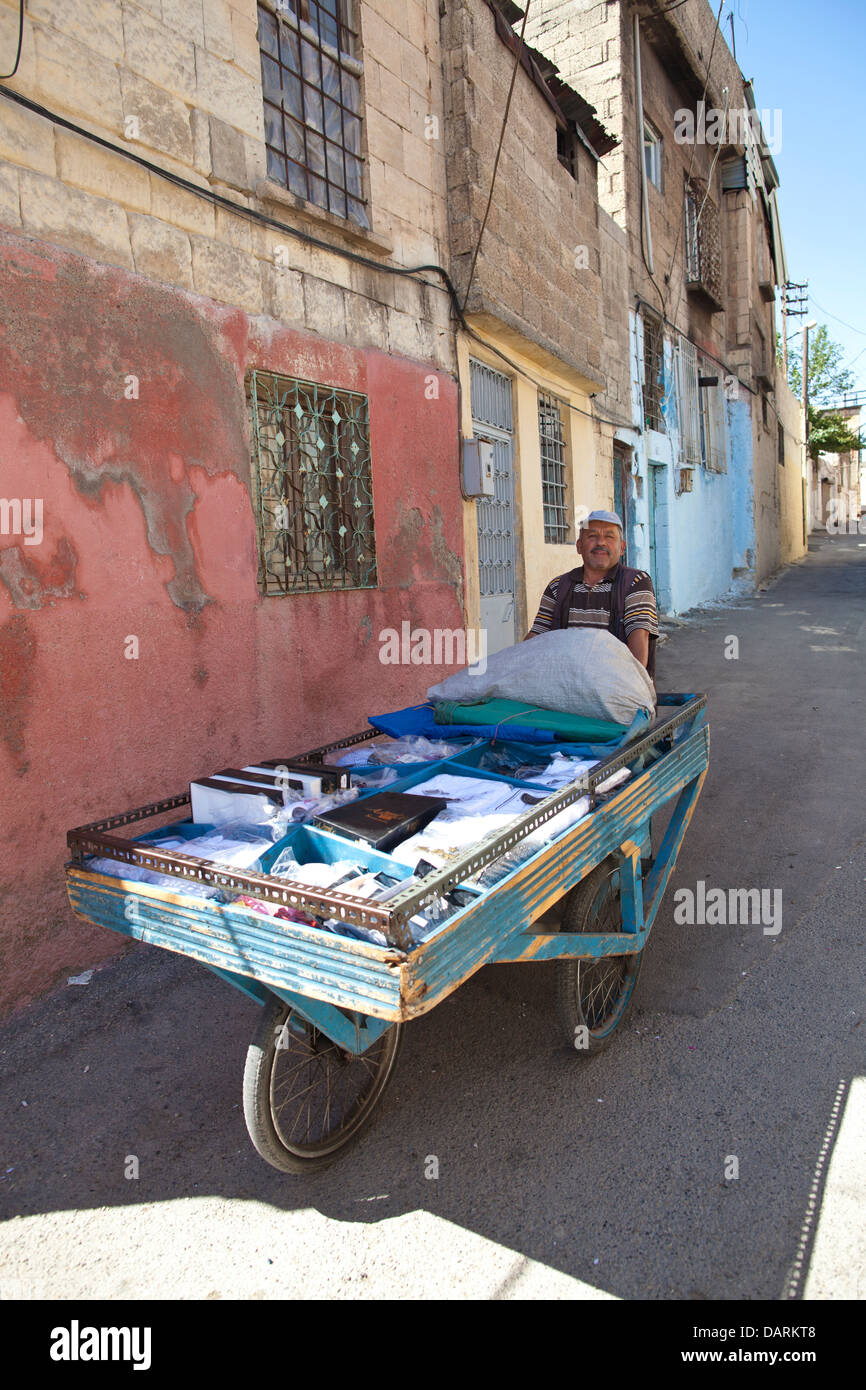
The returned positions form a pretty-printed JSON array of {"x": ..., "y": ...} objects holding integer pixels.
[
  {"x": 689, "y": 404},
  {"x": 652, "y": 154},
  {"x": 653, "y": 372},
  {"x": 712, "y": 416},
  {"x": 311, "y": 82},
  {"x": 566, "y": 150},
  {"x": 312, "y": 467},
  {"x": 781, "y": 444},
  {"x": 553, "y": 484},
  {"x": 702, "y": 244}
]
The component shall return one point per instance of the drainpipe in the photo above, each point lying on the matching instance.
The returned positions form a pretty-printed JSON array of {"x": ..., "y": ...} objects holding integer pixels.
[{"x": 646, "y": 238}]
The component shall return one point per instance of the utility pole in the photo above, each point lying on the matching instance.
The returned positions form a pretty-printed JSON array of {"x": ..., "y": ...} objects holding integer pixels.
[
  {"x": 805, "y": 390},
  {"x": 794, "y": 298}
]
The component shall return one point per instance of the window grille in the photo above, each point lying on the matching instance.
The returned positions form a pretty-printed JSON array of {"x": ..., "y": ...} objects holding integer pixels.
[
  {"x": 311, "y": 82},
  {"x": 653, "y": 372},
  {"x": 553, "y": 481},
  {"x": 312, "y": 468},
  {"x": 702, "y": 242},
  {"x": 689, "y": 404}
]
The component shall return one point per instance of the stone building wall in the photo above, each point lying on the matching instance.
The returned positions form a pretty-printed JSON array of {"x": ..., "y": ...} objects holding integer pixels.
[
  {"x": 538, "y": 267},
  {"x": 189, "y": 73}
]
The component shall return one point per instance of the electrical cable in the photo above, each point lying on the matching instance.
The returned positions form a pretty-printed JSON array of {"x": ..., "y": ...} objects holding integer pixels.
[
  {"x": 4, "y": 76},
  {"x": 713, "y": 165},
  {"x": 818, "y": 306},
  {"x": 718, "y": 360},
  {"x": 546, "y": 386},
  {"x": 695, "y": 143},
  {"x": 517, "y": 57},
  {"x": 251, "y": 214}
]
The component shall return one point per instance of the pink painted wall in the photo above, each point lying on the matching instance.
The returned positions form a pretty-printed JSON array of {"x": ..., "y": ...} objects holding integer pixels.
[{"x": 149, "y": 530}]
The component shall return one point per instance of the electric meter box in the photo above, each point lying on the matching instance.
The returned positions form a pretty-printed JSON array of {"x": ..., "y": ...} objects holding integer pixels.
[{"x": 478, "y": 473}]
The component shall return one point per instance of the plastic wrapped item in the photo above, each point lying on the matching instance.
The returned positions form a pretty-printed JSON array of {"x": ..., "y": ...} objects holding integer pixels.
[
  {"x": 504, "y": 865},
  {"x": 136, "y": 874},
  {"x": 413, "y": 748},
  {"x": 316, "y": 875},
  {"x": 509, "y": 764},
  {"x": 299, "y": 809},
  {"x": 241, "y": 847},
  {"x": 375, "y": 777},
  {"x": 269, "y": 909}
]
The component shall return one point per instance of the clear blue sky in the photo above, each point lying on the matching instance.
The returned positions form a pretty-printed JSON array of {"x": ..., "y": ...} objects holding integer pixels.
[{"x": 805, "y": 60}]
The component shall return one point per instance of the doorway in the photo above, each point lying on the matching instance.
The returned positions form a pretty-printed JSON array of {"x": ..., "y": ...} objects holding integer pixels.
[{"x": 490, "y": 398}]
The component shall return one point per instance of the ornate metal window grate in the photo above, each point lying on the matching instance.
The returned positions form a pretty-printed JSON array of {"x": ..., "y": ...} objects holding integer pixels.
[
  {"x": 311, "y": 451},
  {"x": 653, "y": 373},
  {"x": 311, "y": 80},
  {"x": 703, "y": 253},
  {"x": 553, "y": 480}
]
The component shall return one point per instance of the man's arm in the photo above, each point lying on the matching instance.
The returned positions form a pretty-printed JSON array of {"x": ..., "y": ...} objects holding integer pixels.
[
  {"x": 638, "y": 644},
  {"x": 641, "y": 618},
  {"x": 544, "y": 617}
]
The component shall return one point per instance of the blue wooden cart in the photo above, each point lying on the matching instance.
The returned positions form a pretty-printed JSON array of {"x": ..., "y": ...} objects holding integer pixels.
[{"x": 334, "y": 1006}]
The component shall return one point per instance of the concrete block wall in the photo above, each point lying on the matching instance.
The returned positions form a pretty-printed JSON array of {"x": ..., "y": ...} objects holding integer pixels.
[
  {"x": 188, "y": 73},
  {"x": 538, "y": 266}
]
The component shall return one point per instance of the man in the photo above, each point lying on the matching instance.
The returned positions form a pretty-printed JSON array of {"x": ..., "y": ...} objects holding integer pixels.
[{"x": 603, "y": 593}]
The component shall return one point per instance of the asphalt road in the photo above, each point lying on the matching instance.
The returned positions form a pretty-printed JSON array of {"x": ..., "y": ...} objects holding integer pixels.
[{"x": 558, "y": 1176}]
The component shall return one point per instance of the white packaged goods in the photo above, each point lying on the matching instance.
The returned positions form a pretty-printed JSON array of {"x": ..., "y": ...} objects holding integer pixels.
[{"x": 572, "y": 670}]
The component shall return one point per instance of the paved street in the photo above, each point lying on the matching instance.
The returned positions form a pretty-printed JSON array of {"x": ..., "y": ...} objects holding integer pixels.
[{"x": 557, "y": 1176}]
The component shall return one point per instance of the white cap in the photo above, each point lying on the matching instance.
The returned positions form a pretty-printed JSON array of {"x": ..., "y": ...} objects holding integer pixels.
[{"x": 610, "y": 517}]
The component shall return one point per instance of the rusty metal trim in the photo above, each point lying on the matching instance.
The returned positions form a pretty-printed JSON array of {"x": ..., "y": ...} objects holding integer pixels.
[{"x": 392, "y": 919}]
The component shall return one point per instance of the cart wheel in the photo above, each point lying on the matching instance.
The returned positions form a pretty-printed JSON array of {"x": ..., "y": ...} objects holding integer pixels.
[
  {"x": 594, "y": 996},
  {"x": 305, "y": 1098}
]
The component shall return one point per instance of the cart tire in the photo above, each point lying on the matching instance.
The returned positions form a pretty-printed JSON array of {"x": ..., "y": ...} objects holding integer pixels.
[
  {"x": 594, "y": 996},
  {"x": 305, "y": 1099}
]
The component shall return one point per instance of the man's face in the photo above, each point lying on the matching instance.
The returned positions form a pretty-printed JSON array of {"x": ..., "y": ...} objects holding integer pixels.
[{"x": 601, "y": 545}]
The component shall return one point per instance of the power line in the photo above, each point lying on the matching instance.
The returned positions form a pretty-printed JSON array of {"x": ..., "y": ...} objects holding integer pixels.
[
  {"x": 546, "y": 385},
  {"x": 859, "y": 331},
  {"x": 518, "y": 54},
  {"x": 4, "y": 76},
  {"x": 695, "y": 145},
  {"x": 251, "y": 214}
]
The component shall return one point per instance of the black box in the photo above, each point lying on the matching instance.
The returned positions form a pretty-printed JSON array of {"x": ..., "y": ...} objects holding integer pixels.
[
  {"x": 383, "y": 820},
  {"x": 314, "y": 779}
]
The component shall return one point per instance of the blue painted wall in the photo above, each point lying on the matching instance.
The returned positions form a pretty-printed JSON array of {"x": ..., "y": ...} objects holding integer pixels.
[{"x": 701, "y": 536}]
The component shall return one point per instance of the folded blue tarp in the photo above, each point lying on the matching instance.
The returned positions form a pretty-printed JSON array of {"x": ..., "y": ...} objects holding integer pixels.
[{"x": 418, "y": 719}]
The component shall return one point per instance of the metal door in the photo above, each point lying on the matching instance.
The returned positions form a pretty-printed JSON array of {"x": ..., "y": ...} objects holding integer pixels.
[
  {"x": 621, "y": 462},
  {"x": 652, "y": 481},
  {"x": 491, "y": 419}
]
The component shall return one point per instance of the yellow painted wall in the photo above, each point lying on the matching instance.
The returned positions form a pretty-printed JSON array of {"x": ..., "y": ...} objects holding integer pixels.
[
  {"x": 791, "y": 477},
  {"x": 537, "y": 561}
]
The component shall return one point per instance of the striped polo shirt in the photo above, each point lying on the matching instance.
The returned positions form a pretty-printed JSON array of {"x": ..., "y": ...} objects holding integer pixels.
[{"x": 590, "y": 606}]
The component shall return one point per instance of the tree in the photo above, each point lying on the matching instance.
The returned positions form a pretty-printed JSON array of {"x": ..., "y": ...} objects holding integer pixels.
[
  {"x": 829, "y": 432},
  {"x": 828, "y": 380}
]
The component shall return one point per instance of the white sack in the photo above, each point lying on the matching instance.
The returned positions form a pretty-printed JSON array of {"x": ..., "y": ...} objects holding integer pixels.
[{"x": 582, "y": 670}]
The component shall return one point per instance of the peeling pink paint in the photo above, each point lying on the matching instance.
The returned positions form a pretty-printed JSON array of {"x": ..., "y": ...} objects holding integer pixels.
[{"x": 149, "y": 532}]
